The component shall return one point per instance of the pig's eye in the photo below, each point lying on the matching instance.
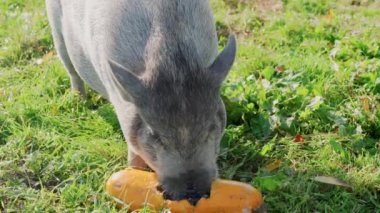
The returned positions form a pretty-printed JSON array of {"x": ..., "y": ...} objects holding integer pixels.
[
  {"x": 156, "y": 138},
  {"x": 153, "y": 134},
  {"x": 150, "y": 130}
]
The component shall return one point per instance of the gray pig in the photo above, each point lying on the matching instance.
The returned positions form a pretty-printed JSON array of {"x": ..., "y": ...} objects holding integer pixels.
[{"x": 157, "y": 62}]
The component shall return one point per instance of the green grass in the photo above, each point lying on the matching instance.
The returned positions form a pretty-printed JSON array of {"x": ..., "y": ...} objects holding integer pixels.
[{"x": 311, "y": 69}]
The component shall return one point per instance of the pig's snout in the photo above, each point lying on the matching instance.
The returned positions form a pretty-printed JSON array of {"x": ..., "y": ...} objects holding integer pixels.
[{"x": 191, "y": 186}]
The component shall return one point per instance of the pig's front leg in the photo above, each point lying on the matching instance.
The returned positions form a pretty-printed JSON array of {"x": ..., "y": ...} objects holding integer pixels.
[
  {"x": 136, "y": 161},
  {"x": 126, "y": 114}
]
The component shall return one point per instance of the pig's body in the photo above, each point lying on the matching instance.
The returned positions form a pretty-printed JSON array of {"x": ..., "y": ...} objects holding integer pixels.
[
  {"x": 93, "y": 32},
  {"x": 143, "y": 56}
]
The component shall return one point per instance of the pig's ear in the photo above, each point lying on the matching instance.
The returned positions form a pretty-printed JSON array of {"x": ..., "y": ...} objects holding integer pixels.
[
  {"x": 128, "y": 83},
  {"x": 223, "y": 63}
]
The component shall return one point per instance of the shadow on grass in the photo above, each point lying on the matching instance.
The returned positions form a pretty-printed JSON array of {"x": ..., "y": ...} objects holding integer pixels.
[
  {"x": 4, "y": 134},
  {"x": 108, "y": 114},
  {"x": 26, "y": 51}
]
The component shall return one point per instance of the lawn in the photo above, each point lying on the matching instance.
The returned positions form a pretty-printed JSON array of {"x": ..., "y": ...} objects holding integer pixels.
[{"x": 303, "y": 104}]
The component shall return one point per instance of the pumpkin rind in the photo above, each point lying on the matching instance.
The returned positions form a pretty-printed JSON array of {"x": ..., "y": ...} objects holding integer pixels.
[{"x": 137, "y": 188}]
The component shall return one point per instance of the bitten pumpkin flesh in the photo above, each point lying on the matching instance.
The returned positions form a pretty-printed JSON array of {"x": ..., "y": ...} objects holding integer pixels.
[{"x": 137, "y": 188}]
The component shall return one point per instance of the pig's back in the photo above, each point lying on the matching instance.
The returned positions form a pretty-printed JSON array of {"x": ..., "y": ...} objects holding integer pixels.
[
  {"x": 97, "y": 31},
  {"x": 126, "y": 27}
]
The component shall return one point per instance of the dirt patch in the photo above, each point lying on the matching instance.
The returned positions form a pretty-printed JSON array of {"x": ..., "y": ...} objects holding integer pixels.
[
  {"x": 259, "y": 5},
  {"x": 267, "y": 5}
]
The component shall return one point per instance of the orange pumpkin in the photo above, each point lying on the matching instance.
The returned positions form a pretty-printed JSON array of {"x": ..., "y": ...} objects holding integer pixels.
[{"x": 135, "y": 189}]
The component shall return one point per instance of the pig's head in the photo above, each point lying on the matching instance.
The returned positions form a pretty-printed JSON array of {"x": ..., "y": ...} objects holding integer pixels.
[{"x": 180, "y": 122}]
